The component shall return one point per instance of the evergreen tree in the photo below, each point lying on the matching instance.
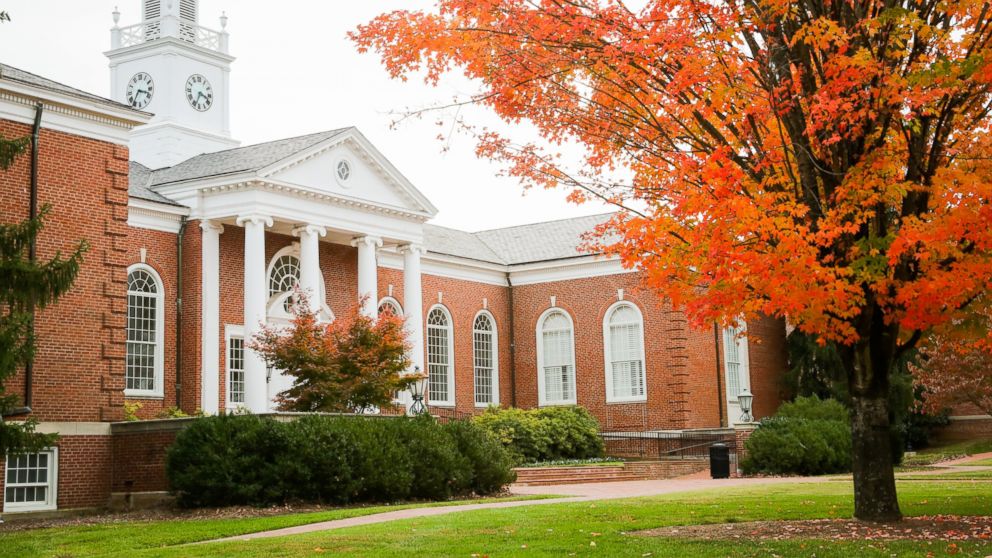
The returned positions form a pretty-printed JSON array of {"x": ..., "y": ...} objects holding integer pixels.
[{"x": 25, "y": 285}]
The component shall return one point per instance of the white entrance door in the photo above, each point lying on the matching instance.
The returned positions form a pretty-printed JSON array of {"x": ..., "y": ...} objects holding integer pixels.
[{"x": 738, "y": 376}]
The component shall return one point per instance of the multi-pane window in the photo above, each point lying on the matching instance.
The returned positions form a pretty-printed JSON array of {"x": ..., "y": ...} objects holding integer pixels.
[
  {"x": 484, "y": 357},
  {"x": 235, "y": 370},
  {"x": 30, "y": 480},
  {"x": 285, "y": 274},
  {"x": 624, "y": 353},
  {"x": 733, "y": 361},
  {"x": 557, "y": 362},
  {"x": 144, "y": 340},
  {"x": 439, "y": 365},
  {"x": 390, "y": 306}
]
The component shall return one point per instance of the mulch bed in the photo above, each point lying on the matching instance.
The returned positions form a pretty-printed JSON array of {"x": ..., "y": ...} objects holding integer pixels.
[
  {"x": 923, "y": 528},
  {"x": 158, "y": 514}
]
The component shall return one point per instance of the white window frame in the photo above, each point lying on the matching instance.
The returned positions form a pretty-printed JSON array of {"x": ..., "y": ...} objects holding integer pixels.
[
  {"x": 51, "y": 503},
  {"x": 159, "y": 368},
  {"x": 450, "y": 401},
  {"x": 495, "y": 358},
  {"x": 231, "y": 332},
  {"x": 608, "y": 356},
  {"x": 541, "y": 395},
  {"x": 392, "y": 302},
  {"x": 744, "y": 370}
]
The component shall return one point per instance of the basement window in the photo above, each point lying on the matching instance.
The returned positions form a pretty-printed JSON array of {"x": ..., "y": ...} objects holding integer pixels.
[{"x": 30, "y": 481}]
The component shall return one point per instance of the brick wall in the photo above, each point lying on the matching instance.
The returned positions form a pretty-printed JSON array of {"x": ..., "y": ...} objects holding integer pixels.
[
  {"x": 139, "y": 460},
  {"x": 80, "y": 339}
]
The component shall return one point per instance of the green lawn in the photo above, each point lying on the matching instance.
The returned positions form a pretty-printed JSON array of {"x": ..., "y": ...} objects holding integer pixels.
[
  {"x": 982, "y": 462},
  {"x": 943, "y": 453},
  {"x": 579, "y": 528},
  {"x": 126, "y": 537}
]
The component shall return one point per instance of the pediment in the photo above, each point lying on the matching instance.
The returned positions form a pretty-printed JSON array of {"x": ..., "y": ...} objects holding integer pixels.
[{"x": 348, "y": 166}]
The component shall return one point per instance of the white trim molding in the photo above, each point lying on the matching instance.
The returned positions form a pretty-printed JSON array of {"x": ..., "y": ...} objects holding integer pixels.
[{"x": 144, "y": 214}]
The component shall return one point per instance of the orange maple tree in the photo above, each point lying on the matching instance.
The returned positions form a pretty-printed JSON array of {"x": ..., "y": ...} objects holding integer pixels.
[
  {"x": 352, "y": 364},
  {"x": 825, "y": 161}
]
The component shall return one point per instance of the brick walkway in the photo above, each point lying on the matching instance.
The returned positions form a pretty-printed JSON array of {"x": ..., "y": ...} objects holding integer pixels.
[{"x": 573, "y": 493}]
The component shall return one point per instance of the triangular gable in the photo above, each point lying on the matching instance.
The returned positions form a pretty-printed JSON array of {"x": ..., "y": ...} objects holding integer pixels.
[{"x": 371, "y": 177}]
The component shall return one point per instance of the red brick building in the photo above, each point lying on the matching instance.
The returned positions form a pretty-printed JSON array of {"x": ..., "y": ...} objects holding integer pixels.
[{"x": 195, "y": 242}]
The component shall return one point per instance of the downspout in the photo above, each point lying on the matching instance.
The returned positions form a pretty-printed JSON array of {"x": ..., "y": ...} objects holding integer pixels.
[
  {"x": 32, "y": 257},
  {"x": 179, "y": 310},
  {"x": 719, "y": 376},
  {"x": 513, "y": 344}
]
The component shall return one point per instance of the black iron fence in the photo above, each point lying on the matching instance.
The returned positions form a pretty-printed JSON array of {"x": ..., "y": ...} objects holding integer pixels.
[{"x": 685, "y": 444}]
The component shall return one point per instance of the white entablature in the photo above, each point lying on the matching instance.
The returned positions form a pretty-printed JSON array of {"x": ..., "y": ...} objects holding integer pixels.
[{"x": 335, "y": 179}]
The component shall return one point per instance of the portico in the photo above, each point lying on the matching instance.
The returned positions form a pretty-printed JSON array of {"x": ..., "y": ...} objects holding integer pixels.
[{"x": 336, "y": 190}]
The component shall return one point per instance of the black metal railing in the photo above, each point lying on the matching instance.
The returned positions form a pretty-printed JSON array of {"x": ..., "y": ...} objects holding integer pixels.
[{"x": 685, "y": 444}]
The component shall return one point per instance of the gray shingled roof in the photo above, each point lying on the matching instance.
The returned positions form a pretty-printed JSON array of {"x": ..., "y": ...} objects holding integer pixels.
[
  {"x": 239, "y": 159},
  {"x": 16, "y": 74},
  {"x": 139, "y": 179},
  {"x": 537, "y": 242},
  {"x": 451, "y": 242}
]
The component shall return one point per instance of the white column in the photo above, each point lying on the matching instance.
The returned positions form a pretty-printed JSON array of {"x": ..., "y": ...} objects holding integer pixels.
[
  {"x": 413, "y": 303},
  {"x": 210, "y": 317},
  {"x": 256, "y": 396},
  {"x": 310, "y": 263},
  {"x": 368, "y": 281}
]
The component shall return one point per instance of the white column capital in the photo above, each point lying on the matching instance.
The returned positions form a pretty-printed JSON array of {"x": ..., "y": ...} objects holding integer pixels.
[
  {"x": 255, "y": 219},
  {"x": 210, "y": 226},
  {"x": 300, "y": 230},
  {"x": 413, "y": 248},
  {"x": 367, "y": 240}
]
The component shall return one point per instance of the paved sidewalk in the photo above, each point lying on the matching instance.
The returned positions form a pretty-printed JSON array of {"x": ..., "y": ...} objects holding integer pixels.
[{"x": 573, "y": 493}]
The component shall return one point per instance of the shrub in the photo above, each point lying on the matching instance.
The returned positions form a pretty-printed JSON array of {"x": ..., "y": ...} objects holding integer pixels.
[
  {"x": 808, "y": 436},
  {"x": 798, "y": 446},
  {"x": 544, "y": 434},
  {"x": 814, "y": 408},
  {"x": 245, "y": 459},
  {"x": 491, "y": 465}
]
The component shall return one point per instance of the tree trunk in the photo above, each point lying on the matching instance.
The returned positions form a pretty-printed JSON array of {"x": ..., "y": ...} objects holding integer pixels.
[{"x": 874, "y": 479}]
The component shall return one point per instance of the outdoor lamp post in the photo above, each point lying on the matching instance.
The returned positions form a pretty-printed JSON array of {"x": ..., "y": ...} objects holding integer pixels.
[
  {"x": 744, "y": 398},
  {"x": 417, "y": 392}
]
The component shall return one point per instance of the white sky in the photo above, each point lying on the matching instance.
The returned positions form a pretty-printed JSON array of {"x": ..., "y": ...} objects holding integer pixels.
[{"x": 297, "y": 73}]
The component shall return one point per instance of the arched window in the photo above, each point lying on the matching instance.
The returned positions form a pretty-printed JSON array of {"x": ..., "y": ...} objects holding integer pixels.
[
  {"x": 556, "y": 358},
  {"x": 145, "y": 333},
  {"x": 440, "y": 358},
  {"x": 390, "y": 305},
  {"x": 284, "y": 274},
  {"x": 623, "y": 344},
  {"x": 485, "y": 359}
]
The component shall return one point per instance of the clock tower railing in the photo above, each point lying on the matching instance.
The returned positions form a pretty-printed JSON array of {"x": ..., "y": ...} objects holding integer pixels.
[{"x": 169, "y": 26}]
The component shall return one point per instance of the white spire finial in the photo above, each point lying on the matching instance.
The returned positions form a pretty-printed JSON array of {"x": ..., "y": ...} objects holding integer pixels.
[
  {"x": 117, "y": 15},
  {"x": 223, "y": 20}
]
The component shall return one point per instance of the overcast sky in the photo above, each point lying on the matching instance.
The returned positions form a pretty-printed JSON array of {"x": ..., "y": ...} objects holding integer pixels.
[{"x": 297, "y": 73}]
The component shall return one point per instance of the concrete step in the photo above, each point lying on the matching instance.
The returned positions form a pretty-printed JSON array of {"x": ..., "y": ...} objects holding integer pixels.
[{"x": 630, "y": 471}]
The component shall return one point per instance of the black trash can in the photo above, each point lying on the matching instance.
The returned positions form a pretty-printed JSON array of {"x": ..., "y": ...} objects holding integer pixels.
[{"x": 720, "y": 461}]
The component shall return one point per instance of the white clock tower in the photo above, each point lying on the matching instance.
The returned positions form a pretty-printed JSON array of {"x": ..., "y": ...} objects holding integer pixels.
[{"x": 177, "y": 69}]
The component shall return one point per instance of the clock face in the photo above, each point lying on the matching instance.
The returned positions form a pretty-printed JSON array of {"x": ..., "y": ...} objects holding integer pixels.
[
  {"x": 199, "y": 93},
  {"x": 140, "y": 90}
]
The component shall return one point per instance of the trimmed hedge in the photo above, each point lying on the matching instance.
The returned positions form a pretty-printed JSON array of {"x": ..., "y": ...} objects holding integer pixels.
[
  {"x": 245, "y": 459},
  {"x": 808, "y": 436},
  {"x": 544, "y": 434}
]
